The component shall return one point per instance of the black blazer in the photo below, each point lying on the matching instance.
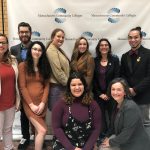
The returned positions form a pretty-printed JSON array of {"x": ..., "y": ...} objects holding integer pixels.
[
  {"x": 16, "y": 51},
  {"x": 112, "y": 71},
  {"x": 128, "y": 128},
  {"x": 139, "y": 76}
]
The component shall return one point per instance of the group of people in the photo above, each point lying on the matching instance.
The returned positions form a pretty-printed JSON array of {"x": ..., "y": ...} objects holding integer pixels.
[{"x": 90, "y": 98}]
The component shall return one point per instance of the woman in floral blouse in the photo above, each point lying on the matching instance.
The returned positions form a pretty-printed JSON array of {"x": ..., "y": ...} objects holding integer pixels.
[{"x": 76, "y": 119}]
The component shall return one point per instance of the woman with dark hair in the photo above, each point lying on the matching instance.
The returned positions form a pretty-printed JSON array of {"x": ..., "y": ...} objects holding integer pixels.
[
  {"x": 9, "y": 93},
  {"x": 76, "y": 119},
  {"x": 106, "y": 69},
  {"x": 82, "y": 60},
  {"x": 34, "y": 74},
  {"x": 126, "y": 122},
  {"x": 60, "y": 66}
]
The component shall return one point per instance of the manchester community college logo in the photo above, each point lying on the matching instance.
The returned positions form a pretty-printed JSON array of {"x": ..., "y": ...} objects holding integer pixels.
[
  {"x": 144, "y": 34},
  {"x": 36, "y": 33},
  {"x": 113, "y": 15},
  {"x": 88, "y": 35},
  {"x": 60, "y": 15}
]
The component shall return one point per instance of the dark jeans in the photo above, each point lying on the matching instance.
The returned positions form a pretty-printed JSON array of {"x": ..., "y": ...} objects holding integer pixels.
[
  {"x": 24, "y": 124},
  {"x": 106, "y": 109},
  {"x": 56, "y": 92}
]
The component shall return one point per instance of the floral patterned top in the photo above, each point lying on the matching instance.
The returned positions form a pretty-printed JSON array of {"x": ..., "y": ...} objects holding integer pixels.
[{"x": 76, "y": 125}]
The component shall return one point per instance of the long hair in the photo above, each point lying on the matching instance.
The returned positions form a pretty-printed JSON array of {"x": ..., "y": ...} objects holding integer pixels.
[
  {"x": 125, "y": 85},
  {"x": 7, "y": 56},
  {"x": 75, "y": 52},
  {"x": 85, "y": 97},
  {"x": 53, "y": 35},
  {"x": 43, "y": 64},
  {"x": 98, "y": 53}
]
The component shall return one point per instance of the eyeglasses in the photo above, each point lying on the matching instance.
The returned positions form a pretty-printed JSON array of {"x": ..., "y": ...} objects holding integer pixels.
[
  {"x": 36, "y": 49},
  {"x": 3, "y": 43},
  {"x": 24, "y": 32}
]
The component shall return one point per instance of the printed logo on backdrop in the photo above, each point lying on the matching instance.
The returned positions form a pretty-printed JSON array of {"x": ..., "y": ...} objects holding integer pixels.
[
  {"x": 61, "y": 15},
  {"x": 36, "y": 33},
  {"x": 113, "y": 15},
  {"x": 91, "y": 40},
  {"x": 88, "y": 35},
  {"x": 144, "y": 35},
  {"x": 36, "y": 36}
]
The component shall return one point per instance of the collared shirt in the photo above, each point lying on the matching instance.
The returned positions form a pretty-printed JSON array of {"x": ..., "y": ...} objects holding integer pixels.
[
  {"x": 133, "y": 52},
  {"x": 23, "y": 52}
]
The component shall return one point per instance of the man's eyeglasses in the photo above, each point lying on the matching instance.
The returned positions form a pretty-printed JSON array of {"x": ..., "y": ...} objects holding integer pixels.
[
  {"x": 24, "y": 32},
  {"x": 3, "y": 43}
]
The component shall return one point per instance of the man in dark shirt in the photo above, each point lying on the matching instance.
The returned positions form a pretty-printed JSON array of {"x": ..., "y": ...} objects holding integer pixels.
[
  {"x": 20, "y": 52},
  {"x": 135, "y": 68}
]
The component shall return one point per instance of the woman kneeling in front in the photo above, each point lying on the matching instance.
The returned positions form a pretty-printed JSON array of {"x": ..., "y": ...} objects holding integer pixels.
[{"x": 126, "y": 121}]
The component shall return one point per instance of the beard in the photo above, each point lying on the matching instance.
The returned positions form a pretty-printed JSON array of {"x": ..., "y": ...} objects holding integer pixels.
[{"x": 25, "y": 39}]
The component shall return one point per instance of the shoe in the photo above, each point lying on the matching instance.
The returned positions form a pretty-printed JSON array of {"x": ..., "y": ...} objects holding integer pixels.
[{"x": 24, "y": 143}]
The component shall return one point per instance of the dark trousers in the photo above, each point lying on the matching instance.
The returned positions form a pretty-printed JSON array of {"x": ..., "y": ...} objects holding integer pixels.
[
  {"x": 106, "y": 109},
  {"x": 56, "y": 92},
  {"x": 24, "y": 124}
]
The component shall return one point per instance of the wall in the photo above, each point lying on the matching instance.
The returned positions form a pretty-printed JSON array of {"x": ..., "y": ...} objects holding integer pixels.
[
  {"x": 91, "y": 19},
  {"x": 5, "y": 17}
]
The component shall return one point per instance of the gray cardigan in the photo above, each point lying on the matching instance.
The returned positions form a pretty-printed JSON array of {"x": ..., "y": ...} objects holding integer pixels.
[{"x": 129, "y": 129}]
